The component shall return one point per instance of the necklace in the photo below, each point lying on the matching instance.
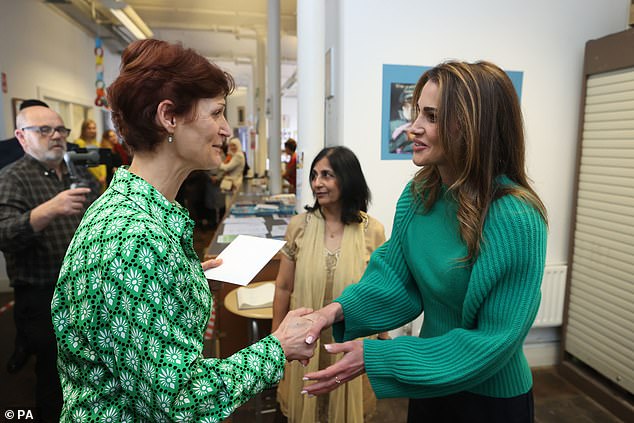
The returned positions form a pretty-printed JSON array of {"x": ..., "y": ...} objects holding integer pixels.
[{"x": 332, "y": 233}]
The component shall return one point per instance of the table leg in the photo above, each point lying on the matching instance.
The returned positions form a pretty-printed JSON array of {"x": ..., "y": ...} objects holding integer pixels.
[{"x": 255, "y": 333}]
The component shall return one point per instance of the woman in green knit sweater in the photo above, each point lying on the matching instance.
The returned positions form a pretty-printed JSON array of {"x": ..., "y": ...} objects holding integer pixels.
[{"x": 468, "y": 248}]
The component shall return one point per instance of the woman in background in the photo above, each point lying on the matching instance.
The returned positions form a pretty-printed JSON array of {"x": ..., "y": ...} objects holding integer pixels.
[
  {"x": 215, "y": 206},
  {"x": 88, "y": 139},
  {"x": 120, "y": 157},
  {"x": 88, "y": 135},
  {"x": 290, "y": 172},
  {"x": 131, "y": 304},
  {"x": 327, "y": 248},
  {"x": 111, "y": 141},
  {"x": 233, "y": 171}
]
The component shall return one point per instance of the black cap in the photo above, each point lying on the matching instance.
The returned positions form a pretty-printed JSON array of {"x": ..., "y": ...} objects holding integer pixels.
[{"x": 32, "y": 102}]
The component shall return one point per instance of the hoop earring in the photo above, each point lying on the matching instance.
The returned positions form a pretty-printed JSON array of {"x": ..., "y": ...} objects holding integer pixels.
[{"x": 170, "y": 138}]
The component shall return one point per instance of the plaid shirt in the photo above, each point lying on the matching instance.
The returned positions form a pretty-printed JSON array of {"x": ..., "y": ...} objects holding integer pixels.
[{"x": 33, "y": 259}]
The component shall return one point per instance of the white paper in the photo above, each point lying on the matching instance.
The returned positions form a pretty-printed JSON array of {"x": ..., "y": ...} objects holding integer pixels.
[
  {"x": 244, "y": 219},
  {"x": 254, "y": 229},
  {"x": 226, "y": 239},
  {"x": 267, "y": 207},
  {"x": 244, "y": 258},
  {"x": 278, "y": 230}
]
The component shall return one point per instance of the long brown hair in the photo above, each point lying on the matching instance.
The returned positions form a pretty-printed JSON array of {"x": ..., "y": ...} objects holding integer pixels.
[
  {"x": 481, "y": 130},
  {"x": 84, "y": 128}
]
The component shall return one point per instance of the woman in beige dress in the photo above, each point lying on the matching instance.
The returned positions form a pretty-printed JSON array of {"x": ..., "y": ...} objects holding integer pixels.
[
  {"x": 233, "y": 170},
  {"x": 327, "y": 248}
]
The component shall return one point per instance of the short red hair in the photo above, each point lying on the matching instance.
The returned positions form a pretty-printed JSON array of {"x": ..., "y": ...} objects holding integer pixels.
[{"x": 153, "y": 71}]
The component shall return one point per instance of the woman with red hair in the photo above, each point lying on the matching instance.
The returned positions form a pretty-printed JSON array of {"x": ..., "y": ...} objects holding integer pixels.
[{"x": 132, "y": 302}]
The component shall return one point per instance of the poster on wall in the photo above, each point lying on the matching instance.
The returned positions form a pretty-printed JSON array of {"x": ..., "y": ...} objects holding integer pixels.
[{"x": 396, "y": 114}]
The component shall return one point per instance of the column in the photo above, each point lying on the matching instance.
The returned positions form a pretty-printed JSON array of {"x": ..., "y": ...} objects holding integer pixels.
[
  {"x": 311, "y": 22},
  {"x": 261, "y": 150},
  {"x": 273, "y": 96}
]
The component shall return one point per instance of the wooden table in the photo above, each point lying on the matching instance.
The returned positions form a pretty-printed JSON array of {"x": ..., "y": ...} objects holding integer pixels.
[
  {"x": 253, "y": 314},
  {"x": 231, "y": 335},
  {"x": 231, "y": 304}
]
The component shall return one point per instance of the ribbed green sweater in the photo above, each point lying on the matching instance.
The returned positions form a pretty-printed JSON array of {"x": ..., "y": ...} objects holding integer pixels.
[{"x": 476, "y": 317}]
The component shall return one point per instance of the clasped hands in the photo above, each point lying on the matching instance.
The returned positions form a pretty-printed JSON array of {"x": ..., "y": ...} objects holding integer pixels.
[{"x": 298, "y": 333}]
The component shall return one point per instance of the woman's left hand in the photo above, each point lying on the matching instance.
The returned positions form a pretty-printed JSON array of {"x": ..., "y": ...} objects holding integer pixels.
[
  {"x": 211, "y": 263},
  {"x": 346, "y": 369}
]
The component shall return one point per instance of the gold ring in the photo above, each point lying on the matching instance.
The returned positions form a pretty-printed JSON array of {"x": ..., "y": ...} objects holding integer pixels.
[{"x": 337, "y": 381}]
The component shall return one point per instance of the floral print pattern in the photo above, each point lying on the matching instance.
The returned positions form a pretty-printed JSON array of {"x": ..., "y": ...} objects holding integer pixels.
[{"x": 129, "y": 312}]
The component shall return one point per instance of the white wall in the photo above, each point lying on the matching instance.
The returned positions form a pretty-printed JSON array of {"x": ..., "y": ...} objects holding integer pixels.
[
  {"x": 237, "y": 99},
  {"x": 544, "y": 39},
  {"x": 289, "y": 117},
  {"x": 42, "y": 50},
  {"x": 334, "y": 104}
]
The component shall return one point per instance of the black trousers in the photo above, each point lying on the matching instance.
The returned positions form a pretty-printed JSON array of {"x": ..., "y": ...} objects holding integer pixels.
[
  {"x": 34, "y": 328},
  {"x": 465, "y": 407}
]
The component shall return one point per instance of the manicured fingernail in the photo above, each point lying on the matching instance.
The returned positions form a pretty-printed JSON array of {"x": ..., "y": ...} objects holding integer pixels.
[
  {"x": 305, "y": 378},
  {"x": 310, "y": 340},
  {"x": 328, "y": 347},
  {"x": 304, "y": 392}
]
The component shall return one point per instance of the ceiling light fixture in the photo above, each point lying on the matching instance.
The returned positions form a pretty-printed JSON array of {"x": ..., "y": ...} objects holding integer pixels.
[{"x": 131, "y": 21}]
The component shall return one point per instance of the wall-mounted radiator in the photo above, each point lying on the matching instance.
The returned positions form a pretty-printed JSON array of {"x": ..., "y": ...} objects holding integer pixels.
[
  {"x": 550, "y": 312},
  {"x": 551, "y": 309}
]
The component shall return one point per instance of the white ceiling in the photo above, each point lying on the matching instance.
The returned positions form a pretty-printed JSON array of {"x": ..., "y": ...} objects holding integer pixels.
[
  {"x": 218, "y": 28},
  {"x": 225, "y": 31}
]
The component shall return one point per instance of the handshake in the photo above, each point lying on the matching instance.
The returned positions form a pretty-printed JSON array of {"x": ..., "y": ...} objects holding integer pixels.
[{"x": 298, "y": 331}]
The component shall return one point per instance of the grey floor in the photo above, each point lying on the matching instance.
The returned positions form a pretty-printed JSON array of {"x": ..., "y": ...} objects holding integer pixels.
[{"x": 556, "y": 401}]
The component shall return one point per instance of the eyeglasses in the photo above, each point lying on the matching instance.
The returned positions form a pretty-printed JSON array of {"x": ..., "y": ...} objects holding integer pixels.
[{"x": 48, "y": 131}]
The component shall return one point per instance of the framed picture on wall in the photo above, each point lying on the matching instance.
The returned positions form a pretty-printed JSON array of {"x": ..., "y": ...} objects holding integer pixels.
[
  {"x": 398, "y": 89},
  {"x": 396, "y": 111}
]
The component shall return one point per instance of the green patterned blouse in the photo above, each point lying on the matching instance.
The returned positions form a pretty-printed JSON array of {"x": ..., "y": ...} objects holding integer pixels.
[{"x": 129, "y": 312}]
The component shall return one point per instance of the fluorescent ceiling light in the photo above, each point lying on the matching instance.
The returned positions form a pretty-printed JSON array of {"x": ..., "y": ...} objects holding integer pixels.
[{"x": 132, "y": 22}]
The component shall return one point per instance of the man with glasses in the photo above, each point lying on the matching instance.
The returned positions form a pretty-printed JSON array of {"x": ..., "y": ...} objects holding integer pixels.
[
  {"x": 11, "y": 150},
  {"x": 39, "y": 214}
]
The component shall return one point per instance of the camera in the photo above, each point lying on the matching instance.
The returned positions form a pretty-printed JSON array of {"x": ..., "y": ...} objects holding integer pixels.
[{"x": 88, "y": 157}]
